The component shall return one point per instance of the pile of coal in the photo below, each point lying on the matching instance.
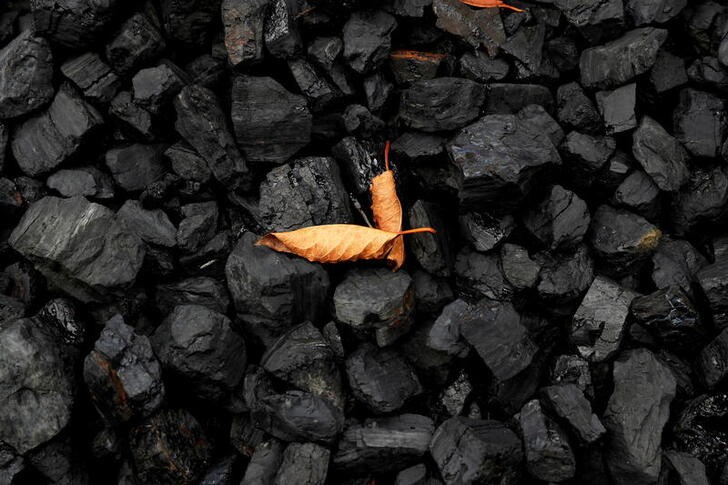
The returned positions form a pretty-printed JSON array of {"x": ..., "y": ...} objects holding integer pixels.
[{"x": 567, "y": 323}]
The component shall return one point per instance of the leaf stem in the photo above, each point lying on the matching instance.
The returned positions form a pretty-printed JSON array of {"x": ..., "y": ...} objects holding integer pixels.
[
  {"x": 387, "y": 145},
  {"x": 417, "y": 231}
]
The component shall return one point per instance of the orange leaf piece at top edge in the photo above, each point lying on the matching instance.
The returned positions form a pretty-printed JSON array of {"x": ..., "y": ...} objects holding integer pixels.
[
  {"x": 336, "y": 243},
  {"x": 387, "y": 209},
  {"x": 491, "y": 4}
]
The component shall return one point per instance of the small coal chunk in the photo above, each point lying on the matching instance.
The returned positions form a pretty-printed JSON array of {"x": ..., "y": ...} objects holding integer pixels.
[
  {"x": 484, "y": 231},
  {"x": 640, "y": 194},
  {"x": 668, "y": 72},
  {"x": 419, "y": 147},
  {"x": 481, "y": 68},
  {"x": 476, "y": 27},
  {"x": 201, "y": 121},
  {"x": 30, "y": 85},
  {"x": 58, "y": 462},
  {"x": 600, "y": 322},
  {"x": 695, "y": 433},
  {"x": 136, "y": 166},
  {"x": 199, "y": 345},
  {"x": 323, "y": 51},
  {"x": 594, "y": 19},
  {"x": 381, "y": 378},
  {"x": 198, "y": 290},
  {"x": 676, "y": 262},
  {"x": 155, "y": 86},
  {"x": 384, "y": 444},
  {"x": 414, "y": 475},
  {"x": 320, "y": 92},
  {"x": 12, "y": 465},
  {"x": 572, "y": 369},
  {"x": 454, "y": 397},
  {"x": 367, "y": 39},
  {"x": 712, "y": 362},
  {"x": 271, "y": 124},
  {"x": 636, "y": 413},
  {"x": 359, "y": 162},
  {"x": 170, "y": 447},
  {"x": 73, "y": 23},
  {"x": 221, "y": 473},
  {"x": 575, "y": 110},
  {"x": 206, "y": 70},
  {"x": 712, "y": 281},
  {"x": 281, "y": 35},
  {"x": 619, "y": 61},
  {"x": 92, "y": 76},
  {"x": 198, "y": 226},
  {"x": 378, "y": 90},
  {"x": 685, "y": 468},
  {"x": 560, "y": 220},
  {"x": 299, "y": 416},
  {"x": 548, "y": 454},
  {"x": 622, "y": 239},
  {"x": 188, "y": 164},
  {"x": 617, "y": 108},
  {"x": 564, "y": 277},
  {"x": 671, "y": 317},
  {"x": 567, "y": 401},
  {"x": 495, "y": 330},
  {"x": 244, "y": 23},
  {"x": 188, "y": 21},
  {"x": 264, "y": 464},
  {"x": 332, "y": 336},
  {"x": 430, "y": 250},
  {"x": 510, "y": 98},
  {"x": 653, "y": 11},
  {"x": 153, "y": 226},
  {"x": 4, "y": 140},
  {"x": 122, "y": 374},
  {"x": 702, "y": 201},
  {"x": 303, "y": 358},
  {"x": 444, "y": 334},
  {"x": 470, "y": 450},
  {"x": 662, "y": 156},
  {"x": 587, "y": 156},
  {"x": 272, "y": 291},
  {"x": 61, "y": 314},
  {"x": 85, "y": 181},
  {"x": 441, "y": 104},
  {"x": 526, "y": 46},
  {"x": 140, "y": 120},
  {"x": 480, "y": 275},
  {"x": 45, "y": 141},
  {"x": 519, "y": 269},
  {"x": 358, "y": 120},
  {"x": 37, "y": 393},
  {"x": 700, "y": 122},
  {"x": 80, "y": 245},
  {"x": 498, "y": 157},
  {"x": 138, "y": 41},
  {"x": 303, "y": 463},
  {"x": 410, "y": 66}
]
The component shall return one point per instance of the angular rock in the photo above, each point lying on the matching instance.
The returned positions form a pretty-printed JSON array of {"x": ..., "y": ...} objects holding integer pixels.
[
  {"x": 560, "y": 220},
  {"x": 712, "y": 362},
  {"x": 485, "y": 232},
  {"x": 470, "y": 450},
  {"x": 676, "y": 262},
  {"x": 42, "y": 143},
  {"x": 85, "y": 181},
  {"x": 189, "y": 21},
  {"x": 138, "y": 41},
  {"x": 264, "y": 464},
  {"x": 481, "y": 68},
  {"x": 481, "y": 275},
  {"x": 134, "y": 116},
  {"x": 701, "y": 201},
  {"x": 640, "y": 194},
  {"x": 323, "y": 51},
  {"x": 444, "y": 334},
  {"x": 156, "y": 86},
  {"x": 73, "y": 23},
  {"x": 378, "y": 90},
  {"x": 409, "y": 66},
  {"x": 548, "y": 454},
  {"x": 587, "y": 156},
  {"x": 136, "y": 166},
  {"x": 618, "y": 62},
  {"x": 594, "y": 19},
  {"x": 282, "y": 38},
  {"x": 567, "y": 401},
  {"x": 201, "y": 121},
  {"x": 431, "y": 251},
  {"x": 388, "y": 444},
  {"x": 244, "y": 23},
  {"x": 303, "y": 463},
  {"x": 572, "y": 369},
  {"x": 320, "y": 92},
  {"x": 657, "y": 11},
  {"x": 122, "y": 374},
  {"x": 199, "y": 290},
  {"x": 564, "y": 278},
  {"x": 636, "y": 413},
  {"x": 695, "y": 433},
  {"x": 454, "y": 397},
  {"x": 699, "y": 122},
  {"x": 188, "y": 164},
  {"x": 271, "y": 124},
  {"x": 518, "y": 268},
  {"x": 198, "y": 226},
  {"x": 381, "y": 378},
  {"x": 26, "y": 81},
  {"x": 714, "y": 286},
  {"x": 685, "y": 468},
  {"x": 600, "y": 322},
  {"x": 441, "y": 104},
  {"x": 477, "y": 28},
  {"x": 510, "y": 98},
  {"x": 617, "y": 108},
  {"x": 359, "y": 162},
  {"x": 661, "y": 155},
  {"x": 79, "y": 245},
  {"x": 576, "y": 110},
  {"x": 152, "y": 226},
  {"x": 668, "y": 72},
  {"x": 526, "y": 46},
  {"x": 367, "y": 39},
  {"x": 92, "y": 76}
]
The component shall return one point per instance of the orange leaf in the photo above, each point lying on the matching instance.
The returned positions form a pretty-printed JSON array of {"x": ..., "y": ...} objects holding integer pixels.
[
  {"x": 387, "y": 209},
  {"x": 490, "y": 4},
  {"x": 417, "y": 55},
  {"x": 336, "y": 243}
]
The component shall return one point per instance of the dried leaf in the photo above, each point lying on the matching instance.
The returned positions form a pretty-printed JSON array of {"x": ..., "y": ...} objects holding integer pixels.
[
  {"x": 336, "y": 243},
  {"x": 387, "y": 210},
  {"x": 417, "y": 55},
  {"x": 490, "y": 4}
]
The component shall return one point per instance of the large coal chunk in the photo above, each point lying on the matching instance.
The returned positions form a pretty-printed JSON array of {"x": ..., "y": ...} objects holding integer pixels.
[
  {"x": 684, "y": 467},
  {"x": 201, "y": 121},
  {"x": 702, "y": 201},
  {"x": 658, "y": 11},
  {"x": 85, "y": 181},
  {"x": 477, "y": 28},
  {"x": 36, "y": 388},
  {"x": 200, "y": 290},
  {"x": 671, "y": 318},
  {"x": 189, "y": 21},
  {"x": 313, "y": 192},
  {"x": 152, "y": 225},
  {"x": 712, "y": 362},
  {"x": 567, "y": 401},
  {"x": 92, "y": 76},
  {"x": 80, "y": 246},
  {"x": 700, "y": 430},
  {"x": 303, "y": 463},
  {"x": 600, "y": 322},
  {"x": 138, "y": 41},
  {"x": 155, "y": 86},
  {"x": 444, "y": 334},
  {"x": 359, "y": 162},
  {"x": 621, "y": 239},
  {"x": 594, "y": 19},
  {"x": 481, "y": 275},
  {"x": 303, "y": 358},
  {"x": 668, "y": 72},
  {"x": 587, "y": 156},
  {"x": 199, "y": 345},
  {"x": 560, "y": 220},
  {"x": 73, "y": 23},
  {"x": 575, "y": 110},
  {"x": 618, "y": 108},
  {"x": 320, "y": 92},
  {"x": 548, "y": 453},
  {"x": 264, "y": 463},
  {"x": 170, "y": 447},
  {"x": 662, "y": 156},
  {"x": 618, "y": 62},
  {"x": 564, "y": 277},
  {"x": 700, "y": 122},
  {"x": 122, "y": 373},
  {"x": 495, "y": 331},
  {"x": 484, "y": 231},
  {"x": 272, "y": 291},
  {"x": 386, "y": 444},
  {"x": 271, "y": 124},
  {"x": 636, "y": 413},
  {"x": 381, "y": 378},
  {"x": 506, "y": 98},
  {"x": 282, "y": 38},
  {"x": 431, "y": 251},
  {"x": 470, "y": 450},
  {"x": 198, "y": 226},
  {"x": 42, "y": 143},
  {"x": 497, "y": 159},
  {"x": 676, "y": 262},
  {"x": 136, "y": 166},
  {"x": 26, "y": 82},
  {"x": 244, "y": 22},
  {"x": 367, "y": 39},
  {"x": 299, "y": 416},
  {"x": 441, "y": 104},
  {"x": 714, "y": 286}
]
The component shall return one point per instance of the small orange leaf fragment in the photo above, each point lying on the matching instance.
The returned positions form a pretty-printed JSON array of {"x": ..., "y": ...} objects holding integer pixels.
[
  {"x": 386, "y": 208},
  {"x": 417, "y": 55},
  {"x": 490, "y": 4}
]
